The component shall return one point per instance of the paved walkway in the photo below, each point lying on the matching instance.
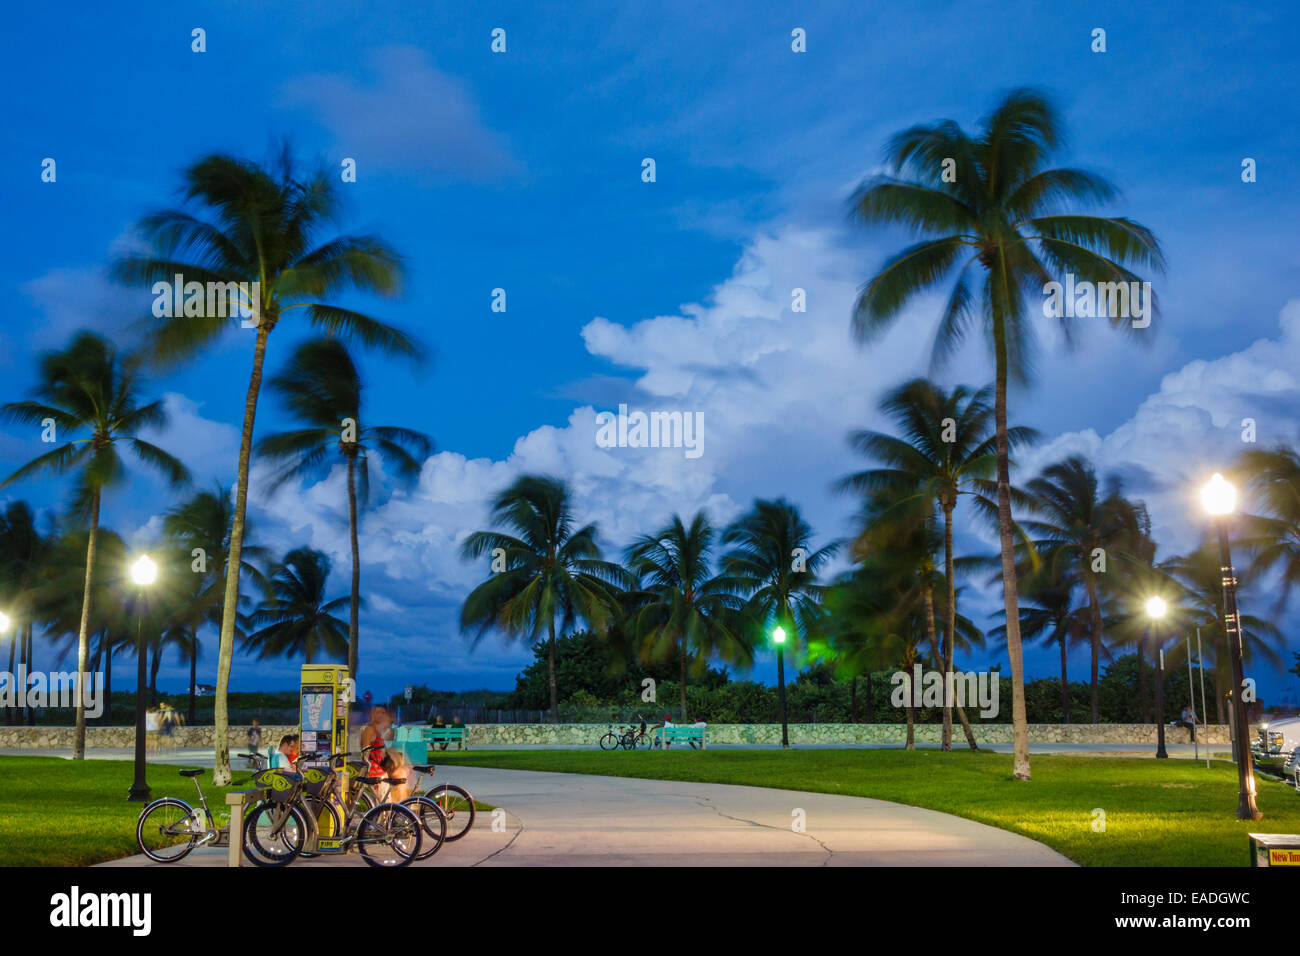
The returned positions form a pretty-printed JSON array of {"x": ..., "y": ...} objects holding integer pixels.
[{"x": 554, "y": 819}]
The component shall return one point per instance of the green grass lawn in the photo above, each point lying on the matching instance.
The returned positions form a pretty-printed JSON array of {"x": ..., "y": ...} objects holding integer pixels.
[
  {"x": 1158, "y": 812},
  {"x": 56, "y": 812}
]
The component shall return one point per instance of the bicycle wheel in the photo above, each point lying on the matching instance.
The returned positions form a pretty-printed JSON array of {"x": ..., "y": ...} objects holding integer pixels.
[
  {"x": 274, "y": 833},
  {"x": 610, "y": 741},
  {"x": 431, "y": 820},
  {"x": 389, "y": 835},
  {"x": 165, "y": 830},
  {"x": 329, "y": 826},
  {"x": 644, "y": 742},
  {"x": 456, "y": 805}
]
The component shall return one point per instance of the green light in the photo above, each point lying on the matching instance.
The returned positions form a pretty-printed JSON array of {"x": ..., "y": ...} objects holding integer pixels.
[{"x": 779, "y": 635}]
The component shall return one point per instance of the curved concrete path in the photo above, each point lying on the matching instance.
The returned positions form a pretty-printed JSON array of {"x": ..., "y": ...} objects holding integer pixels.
[{"x": 560, "y": 819}]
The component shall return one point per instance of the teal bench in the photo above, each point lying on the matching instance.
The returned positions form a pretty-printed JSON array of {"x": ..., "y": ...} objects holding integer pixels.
[
  {"x": 684, "y": 735},
  {"x": 414, "y": 741}
]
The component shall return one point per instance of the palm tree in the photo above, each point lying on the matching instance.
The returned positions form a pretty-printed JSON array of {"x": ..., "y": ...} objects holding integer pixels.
[
  {"x": 1199, "y": 604},
  {"x": 199, "y": 528},
  {"x": 89, "y": 388},
  {"x": 947, "y": 449},
  {"x": 24, "y": 553},
  {"x": 683, "y": 609},
  {"x": 774, "y": 567},
  {"x": 1273, "y": 477},
  {"x": 543, "y": 569},
  {"x": 1079, "y": 528},
  {"x": 297, "y": 620},
  {"x": 259, "y": 224},
  {"x": 322, "y": 389},
  {"x": 989, "y": 202},
  {"x": 1050, "y": 614}
]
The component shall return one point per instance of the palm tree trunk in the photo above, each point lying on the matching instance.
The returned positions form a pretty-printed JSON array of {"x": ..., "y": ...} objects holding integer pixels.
[
  {"x": 83, "y": 631},
  {"x": 1010, "y": 596},
  {"x": 27, "y": 657},
  {"x": 155, "y": 652},
  {"x": 949, "y": 626},
  {"x": 911, "y": 708},
  {"x": 550, "y": 670},
  {"x": 108, "y": 686},
  {"x": 1065, "y": 684},
  {"x": 966, "y": 727},
  {"x": 194, "y": 666},
  {"x": 853, "y": 699},
  {"x": 353, "y": 613},
  {"x": 1094, "y": 614},
  {"x": 682, "y": 648},
  {"x": 870, "y": 715},
  {"x": 234, "y": 560}
]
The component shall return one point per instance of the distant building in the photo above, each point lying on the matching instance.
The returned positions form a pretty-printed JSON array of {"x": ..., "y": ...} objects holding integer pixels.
[{"x": 205, "y": 690}]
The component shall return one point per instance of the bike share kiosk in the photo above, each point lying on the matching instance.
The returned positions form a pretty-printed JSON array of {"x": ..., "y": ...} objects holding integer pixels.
[{"x": 323, "y": 715}]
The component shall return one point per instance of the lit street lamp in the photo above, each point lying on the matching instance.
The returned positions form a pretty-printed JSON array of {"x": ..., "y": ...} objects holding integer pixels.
[
  {"x": 143, "y": 572},
  {"x": 778, "y": 638},
  {"x": 1219, "y": 499},
  {"x": 1156, "y": 610}
]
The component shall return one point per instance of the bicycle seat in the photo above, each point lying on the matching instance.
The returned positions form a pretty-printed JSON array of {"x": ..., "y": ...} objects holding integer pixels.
[
  {"x": 189, "y": 773},
  {"x": 395, "y": 781},
  {"x": 422, "y": 767},
  {"x": 368, "y": 781}
]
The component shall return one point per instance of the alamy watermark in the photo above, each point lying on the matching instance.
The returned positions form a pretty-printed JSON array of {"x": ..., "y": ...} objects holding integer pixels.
[
  {"x": 929, "y": 689},
  {"x": 51, "y": 689},
  {"x": 215, "y": 300},
  {"x": 659, "y": 429},
  {"x": 1089, "y": 300}
]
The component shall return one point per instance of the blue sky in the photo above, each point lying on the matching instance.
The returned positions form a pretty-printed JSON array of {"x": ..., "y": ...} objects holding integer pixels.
[{"x": 522, "y": 170}]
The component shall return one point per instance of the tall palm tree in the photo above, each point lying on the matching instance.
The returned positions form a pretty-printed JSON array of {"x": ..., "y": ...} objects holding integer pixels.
[
  {"x": 88, "y": 388},
  {"x": 988, "y": 207},
  {"x": 683, "y": 609},
  {"x": 1078, "y": 527},
  {"x": 947, "y": 449},
  {"x": 322, "y": 389},
  {"x": 544, "y": 569},
  {"x": 297, "y": 620},
  {"x": 260, "y": 224}
]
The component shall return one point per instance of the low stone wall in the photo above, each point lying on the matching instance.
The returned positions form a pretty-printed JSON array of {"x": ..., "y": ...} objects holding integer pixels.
[
  {"x": 199, "y": 737},
  {"x": 534, "y": 735},
  {"x": 542, "y": 735}
]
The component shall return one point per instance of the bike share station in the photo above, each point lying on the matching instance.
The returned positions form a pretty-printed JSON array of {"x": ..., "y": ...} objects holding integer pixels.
[{"x": 324, "y": 698}]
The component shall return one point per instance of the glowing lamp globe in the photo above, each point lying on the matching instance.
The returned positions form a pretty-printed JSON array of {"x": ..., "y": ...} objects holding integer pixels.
[
  {"x": 1218, "y": 496},
  {"x": 144, "y": 571},
  {"x": 1156, "y": 607},
  {"x": 779, "y": 635}
]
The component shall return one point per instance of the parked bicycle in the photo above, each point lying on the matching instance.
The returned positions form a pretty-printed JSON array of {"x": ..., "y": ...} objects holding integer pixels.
[
  {"x": 455, "y": 803},
  {"x": 169, "y": 828}
]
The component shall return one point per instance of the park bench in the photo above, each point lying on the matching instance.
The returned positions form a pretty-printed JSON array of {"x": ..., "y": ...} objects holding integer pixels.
[
  {"x": 414, "y": 741},
  {"x": 684, "y": 735}
]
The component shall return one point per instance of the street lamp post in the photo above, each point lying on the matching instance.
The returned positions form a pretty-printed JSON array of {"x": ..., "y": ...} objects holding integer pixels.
[
  {"x": 4, "y": 626},
  {"x": 1156, "y": 610},
  {"x": 1219, "y": 498},
  {"x": 143, "y": 573},
  {"x": 778, "y": 638}
]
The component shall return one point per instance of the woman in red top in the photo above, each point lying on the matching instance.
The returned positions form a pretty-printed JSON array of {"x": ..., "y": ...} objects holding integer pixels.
[{"x": 381, "y": 762}]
